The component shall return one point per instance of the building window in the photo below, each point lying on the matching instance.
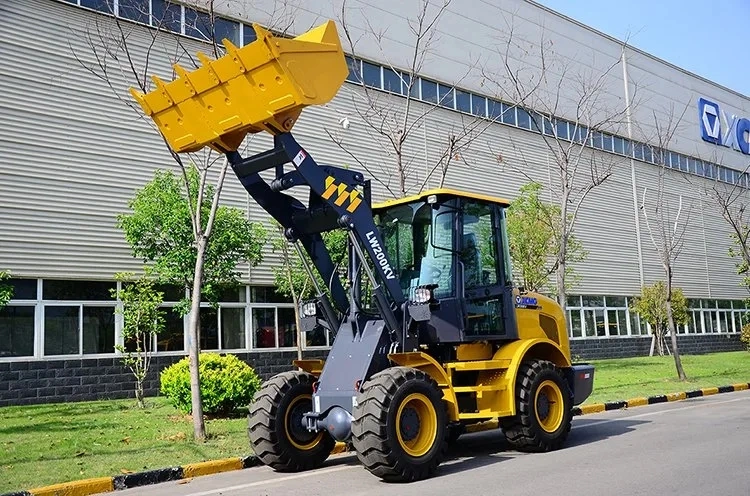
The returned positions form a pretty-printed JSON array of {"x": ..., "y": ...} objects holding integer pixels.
[
  {"x": 429, "y": 90},
  {"x": 166, "y": 15},
  {"x": 98, "y": 329},
  {"x": 172, "y": 337},
  {"x": 134, "y": 10},
  {"x": 509, "y": 114},
  {"x": 17, "y": 331},
  {"x": 562, "y": 130},
  {"x": 78, "y": 329},
  {"x": 54, "y": 289},
  {"x": 445, "y": 94},
  {"x": 463, "y": 101},
  {"x": 224, "y": 28},
  {"x": 478, "y": 105},
  {"x": 371, "y": 74},
  {"x": 264, "y": 327},
  {"x": 523, "y": 118},
  {"x": 106, "y": 6},
  {"x": 593, "y": 316},
  {"x": 391, "y": 81},
  {"x": 62, "y": 326},
  {"x": 287, "y": 328},
  {"x": 232, "y": 328}
]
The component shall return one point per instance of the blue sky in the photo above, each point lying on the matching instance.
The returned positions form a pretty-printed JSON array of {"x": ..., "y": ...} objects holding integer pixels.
[{"x": 704, "y": 37}]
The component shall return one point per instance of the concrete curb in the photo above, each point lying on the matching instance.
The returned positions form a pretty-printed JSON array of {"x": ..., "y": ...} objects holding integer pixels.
[
  {"x": 106, "y": 484},
  {"x": 652, "y": 400},
  {"x": 98, "y": 485}
]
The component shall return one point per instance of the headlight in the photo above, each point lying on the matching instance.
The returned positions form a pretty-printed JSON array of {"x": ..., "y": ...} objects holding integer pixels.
[
  {"x": 422, "y": 295},
  {"x": 309, "y": 309}
]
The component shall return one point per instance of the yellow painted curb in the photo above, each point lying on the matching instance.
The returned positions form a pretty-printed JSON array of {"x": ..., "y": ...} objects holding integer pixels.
[
  {"x": 595, "y": 408},
  {"x": 211, "y": 467},
  {"x": 710, "y": 391},
  {"x": 740, "y": 387},
  {"x": 677, "y": 396},
  {"x": 637, "y": 402},
  {"x": 76, "y": 488}
]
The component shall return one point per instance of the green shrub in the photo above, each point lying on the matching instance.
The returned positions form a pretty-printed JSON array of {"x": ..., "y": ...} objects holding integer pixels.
[
  {"x": 745, "y": 336},
  {"x": 226, "y": 383}
]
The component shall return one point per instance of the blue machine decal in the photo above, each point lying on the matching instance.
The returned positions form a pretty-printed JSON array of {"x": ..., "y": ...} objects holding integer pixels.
[{"x": 526, "y": 302}]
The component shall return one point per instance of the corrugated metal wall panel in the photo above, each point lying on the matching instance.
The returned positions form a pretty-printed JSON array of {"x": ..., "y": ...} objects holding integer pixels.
[
  {"x": 606, "y": 229},
  {"x": 725, "y": 282},
  {"x": 72, "y": 155}
]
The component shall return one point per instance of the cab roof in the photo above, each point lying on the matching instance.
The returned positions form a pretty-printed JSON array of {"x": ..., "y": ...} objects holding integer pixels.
[{"x": 441, "y": 192}]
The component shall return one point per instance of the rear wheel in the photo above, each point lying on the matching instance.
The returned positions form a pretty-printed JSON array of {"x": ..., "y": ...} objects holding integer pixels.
[
  {"x": 277, "y": 434},
  {"x": 399, "y": 429},
  {"x": 543, "y": 409}
]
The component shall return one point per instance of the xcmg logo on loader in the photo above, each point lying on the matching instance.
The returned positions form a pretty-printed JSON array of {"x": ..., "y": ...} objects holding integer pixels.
[{"x": 385, "y": 267}]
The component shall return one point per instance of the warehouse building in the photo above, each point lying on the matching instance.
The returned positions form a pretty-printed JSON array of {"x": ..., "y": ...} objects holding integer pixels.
[{"x": 73, "y": 152}]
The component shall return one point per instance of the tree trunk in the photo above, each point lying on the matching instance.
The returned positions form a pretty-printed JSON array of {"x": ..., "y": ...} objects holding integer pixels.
[
  {"x": 560, "y": 280},
  {"x": 562, "y": 254},
  {"x": 401, "y": 172},
  {"x": 139, "y": 394},
  {"x": 199, "y": 427},
  {"x": 659, "y": 342},
  {"x": 673, "y": 332}
]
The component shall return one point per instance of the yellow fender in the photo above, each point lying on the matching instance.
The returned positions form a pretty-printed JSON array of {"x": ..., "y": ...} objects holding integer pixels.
[
  {"x": 525, "y": 349},
  {"x": 431, "y": 367}
]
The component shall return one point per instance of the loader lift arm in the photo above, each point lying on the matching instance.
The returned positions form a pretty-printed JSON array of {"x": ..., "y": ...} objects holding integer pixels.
[{"x": 335, "y": 202}]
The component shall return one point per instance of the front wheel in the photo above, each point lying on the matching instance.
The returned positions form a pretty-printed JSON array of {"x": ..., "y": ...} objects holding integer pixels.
[
  {"x": 543, "y": 409},
  {"x": 277, "y": 434},
  {"x": 399, "y": 429}
]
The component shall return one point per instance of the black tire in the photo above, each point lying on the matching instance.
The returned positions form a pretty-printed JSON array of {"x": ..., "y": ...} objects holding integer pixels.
[
  {"x": 535, "y": 427},
  {"x": 274, "y": 437},
  {"x": 387, "y": 450}
]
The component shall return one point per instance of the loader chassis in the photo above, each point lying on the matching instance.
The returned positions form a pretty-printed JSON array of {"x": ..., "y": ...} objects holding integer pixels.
[{"x": 431, "y": 338}]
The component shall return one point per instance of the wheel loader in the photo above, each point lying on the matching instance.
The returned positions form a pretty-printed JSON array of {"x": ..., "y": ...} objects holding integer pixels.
[{"x": 431, "y": 338}]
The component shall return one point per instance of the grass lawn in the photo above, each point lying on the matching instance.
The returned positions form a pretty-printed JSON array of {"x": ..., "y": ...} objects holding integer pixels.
[
  {"x": 46, "y": 444},
  {"x": 625, "y": 378}
]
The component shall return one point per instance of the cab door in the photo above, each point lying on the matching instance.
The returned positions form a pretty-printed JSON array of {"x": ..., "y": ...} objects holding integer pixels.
[{"x": 486, "y": 289}]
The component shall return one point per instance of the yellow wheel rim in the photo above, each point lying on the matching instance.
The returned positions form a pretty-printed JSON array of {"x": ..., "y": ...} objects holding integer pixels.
[
  {"x": 548, "y": 406},
  {"x": 292, "y": 416},
  {"x": 416, "y": 424}
]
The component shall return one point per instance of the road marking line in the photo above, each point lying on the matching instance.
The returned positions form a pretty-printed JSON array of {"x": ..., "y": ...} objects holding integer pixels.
[
  {"x": 648, "y": 414},
  {"x": 272, "y": 481}
]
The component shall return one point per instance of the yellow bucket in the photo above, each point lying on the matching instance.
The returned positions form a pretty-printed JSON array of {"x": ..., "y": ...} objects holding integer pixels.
[{"x": 262, "y": 86}]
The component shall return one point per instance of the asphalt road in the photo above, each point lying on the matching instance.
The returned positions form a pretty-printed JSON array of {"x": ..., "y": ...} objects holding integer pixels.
[{"x": 694, "y": 447}]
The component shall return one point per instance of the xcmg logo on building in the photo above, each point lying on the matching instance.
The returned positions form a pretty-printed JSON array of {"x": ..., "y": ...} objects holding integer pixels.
[{"x": 723, "y": 129}]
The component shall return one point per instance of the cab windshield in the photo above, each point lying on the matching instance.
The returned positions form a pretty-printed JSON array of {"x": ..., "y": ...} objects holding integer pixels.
[{"x": 419, "y": 242}]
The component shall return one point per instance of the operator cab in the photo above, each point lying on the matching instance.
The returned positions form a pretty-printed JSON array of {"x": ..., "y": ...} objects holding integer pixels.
[{"x": 452, "y": 246}]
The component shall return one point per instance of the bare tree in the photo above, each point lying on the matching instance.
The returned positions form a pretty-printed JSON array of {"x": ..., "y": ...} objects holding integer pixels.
[
  {"x": 122, "y": 55},
  {"x": 733, "y": 201},
  {"x": 397, "y": 121},
  {"x": 544, "y": 87},
  {"x": 666, "y": 231}
]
